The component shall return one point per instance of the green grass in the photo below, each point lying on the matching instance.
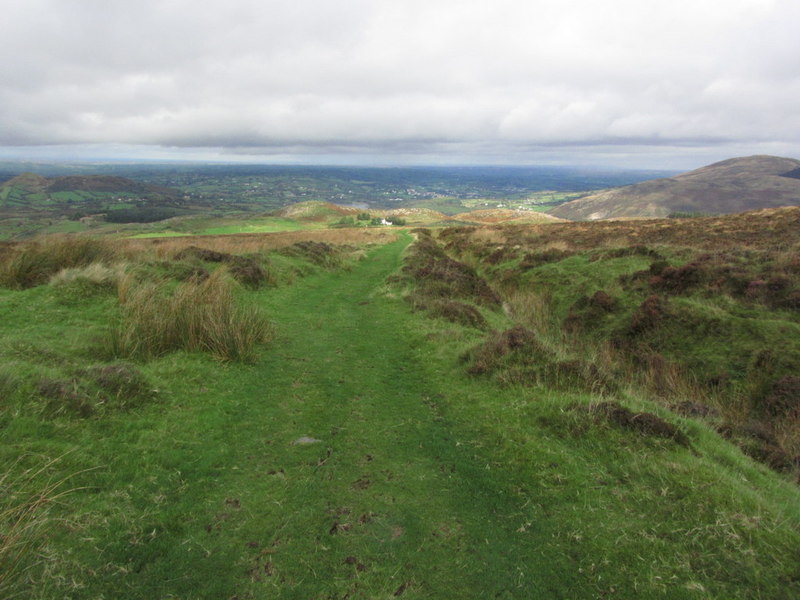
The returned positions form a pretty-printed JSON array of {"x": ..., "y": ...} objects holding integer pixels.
[
  {"x": 158, "y": 234},
  {"x": 425, "y": 482},
  {"x": 256, "y": 226}
]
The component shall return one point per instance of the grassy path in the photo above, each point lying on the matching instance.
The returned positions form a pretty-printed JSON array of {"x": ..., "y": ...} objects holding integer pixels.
[
  {"x": 386, "y": 502},
  {"x": 352, "y": 461}
]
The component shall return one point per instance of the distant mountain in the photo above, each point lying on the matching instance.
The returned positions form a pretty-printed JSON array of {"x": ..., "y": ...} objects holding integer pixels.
[{"x": 731, "y": 186}]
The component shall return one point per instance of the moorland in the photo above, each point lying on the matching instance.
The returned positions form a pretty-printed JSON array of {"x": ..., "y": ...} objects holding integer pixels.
[{"x": 432, "y": 409}]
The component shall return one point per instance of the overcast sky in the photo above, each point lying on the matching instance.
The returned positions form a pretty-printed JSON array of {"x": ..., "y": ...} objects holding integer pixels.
[{"x": 659, "y": 84}]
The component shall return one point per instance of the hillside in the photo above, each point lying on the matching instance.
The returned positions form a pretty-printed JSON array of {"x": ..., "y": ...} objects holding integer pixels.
[
  {"x": 493, "y": 216},
  {"x": 491, "y": 412},
  {"x": 31, "y": 204},
  {"x": 730, "y": 186},
  {"x": 38, "y": 189},
  {"x": 317, "y": 212},
  {"x": 312, "y": 210}
]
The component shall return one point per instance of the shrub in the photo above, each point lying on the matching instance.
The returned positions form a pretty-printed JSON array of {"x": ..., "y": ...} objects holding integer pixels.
[
  {"x": 784, "y": 397},
  {"x": 518, "y": 346},
  {"x": 543, "y": 257},
  {"x": 677, "y": 280},
  {"x": 650, "y": 314},
  {"x": 436, "y": 275},
  {"x": 589, "y": 310},
  {"x": 645, "y": 423},
  {"x": 248, "y": 272},
  {"x": 320, "y": 253},
  {"x": 198, "y": 316}
]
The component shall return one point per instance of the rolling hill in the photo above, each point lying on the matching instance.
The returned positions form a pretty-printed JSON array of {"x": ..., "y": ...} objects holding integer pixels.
[
  {"x": 30, "y": 188},
  {"x": 731, "y": 186}
]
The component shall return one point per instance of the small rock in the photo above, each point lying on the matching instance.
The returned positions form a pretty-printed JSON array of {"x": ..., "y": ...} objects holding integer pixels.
[{"x": 305, "y": 440}]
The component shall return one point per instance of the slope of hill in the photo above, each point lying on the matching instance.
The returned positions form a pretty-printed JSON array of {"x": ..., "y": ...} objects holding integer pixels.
[
  {"x": 314, "y": 211},
  {"x": 505, "y": 215},
  {"x": 730, "y": 186},
  {"x": 32, "y": 204},
  {"x": 367, "y": 451}
]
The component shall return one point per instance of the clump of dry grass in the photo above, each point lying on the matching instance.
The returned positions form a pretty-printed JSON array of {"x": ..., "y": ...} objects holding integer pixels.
[
  {"x": 25, "y": 500},
  {"x": 534, "y": 309},
  {"x": 34, "y": 263},
  {"x": 198, "y": 315},
  {"x": 77, "y": 283}
]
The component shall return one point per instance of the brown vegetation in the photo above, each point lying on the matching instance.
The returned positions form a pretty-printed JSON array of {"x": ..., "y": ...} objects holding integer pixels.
[{"x": 199, "y": 315}]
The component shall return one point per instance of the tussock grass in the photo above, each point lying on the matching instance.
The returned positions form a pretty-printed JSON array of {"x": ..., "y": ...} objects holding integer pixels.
[
  {"x": 34, "y": 263},
  {"x": 78, "y": 283},
  {"x": 197, "y": 315}
]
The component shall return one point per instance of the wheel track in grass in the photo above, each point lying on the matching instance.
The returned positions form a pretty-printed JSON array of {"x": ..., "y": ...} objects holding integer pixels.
[
  {"x": 325, "y": 470},
  {"x": 387, "y": 502}
]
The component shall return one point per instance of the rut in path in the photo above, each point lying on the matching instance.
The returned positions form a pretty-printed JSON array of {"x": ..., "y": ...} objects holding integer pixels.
[{"x": 386, "y": 482}]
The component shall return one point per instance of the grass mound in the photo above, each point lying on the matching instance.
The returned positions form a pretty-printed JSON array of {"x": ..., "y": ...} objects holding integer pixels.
[
  {"x": 93, "y": 390},
  {"x": 437, "y": 275},
  {"x": 245, "y": 269},
  {"x": 445, "y": 288},
  {"x": 457, "y": 312},
  {"x": 517, "y": 356},
  {"x": 321, "y": 254},
  {"x": 644, "y": 423}
]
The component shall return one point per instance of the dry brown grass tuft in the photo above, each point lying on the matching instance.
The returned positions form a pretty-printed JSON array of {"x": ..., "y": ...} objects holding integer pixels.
[
  {"x": 25, "y": 500},
  {"x": 199, "y": 315},
  {"x": 34, "y": 263}
]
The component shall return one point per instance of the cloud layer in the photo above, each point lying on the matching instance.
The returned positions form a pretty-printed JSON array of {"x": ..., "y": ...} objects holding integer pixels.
[{"x": 507, "y": 78}]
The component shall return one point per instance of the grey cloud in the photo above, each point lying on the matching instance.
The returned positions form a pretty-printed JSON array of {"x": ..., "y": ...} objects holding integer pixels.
[{"x": 404, "y": 77}]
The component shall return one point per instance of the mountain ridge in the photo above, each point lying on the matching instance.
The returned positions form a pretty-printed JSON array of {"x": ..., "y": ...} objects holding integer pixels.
[{"x": 729, "y": 186}]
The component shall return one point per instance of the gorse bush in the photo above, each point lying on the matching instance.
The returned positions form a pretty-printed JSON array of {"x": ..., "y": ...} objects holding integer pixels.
[
  {"x": 34, "y": 263},
  {"x": 197, "y": 315}
]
